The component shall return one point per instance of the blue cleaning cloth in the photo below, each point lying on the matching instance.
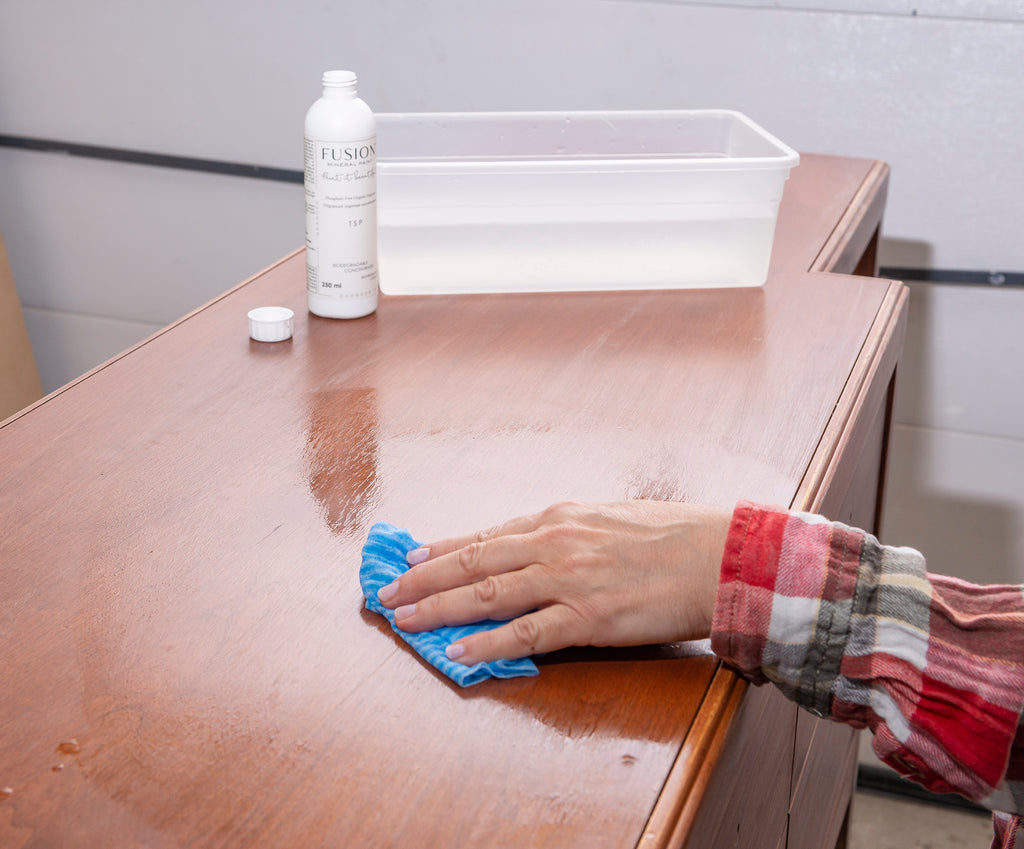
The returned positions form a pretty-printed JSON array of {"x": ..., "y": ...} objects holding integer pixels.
[{"x": 383, "y": 561}]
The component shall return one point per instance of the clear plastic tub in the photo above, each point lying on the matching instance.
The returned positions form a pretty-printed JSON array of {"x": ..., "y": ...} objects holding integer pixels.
[{"x": 545, "y": 201}]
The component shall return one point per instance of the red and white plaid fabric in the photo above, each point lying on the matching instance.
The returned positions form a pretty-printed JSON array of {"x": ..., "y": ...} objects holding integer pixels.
[{"x": 861, "y": 633}]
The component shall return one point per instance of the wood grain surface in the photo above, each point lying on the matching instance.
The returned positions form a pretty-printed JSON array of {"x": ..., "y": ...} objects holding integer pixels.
[{"x": 186, "y": 660}]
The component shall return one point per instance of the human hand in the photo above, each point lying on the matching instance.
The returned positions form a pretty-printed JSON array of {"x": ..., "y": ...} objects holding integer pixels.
[{"x": 633, "y": 573}]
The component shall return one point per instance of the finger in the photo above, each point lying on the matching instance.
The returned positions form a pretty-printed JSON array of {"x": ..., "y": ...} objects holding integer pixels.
[
  {"x": 462, "y": 567},
  {"x": 430, "y": 551},
  {"x": 540, "y": 632},
  {"x": 498, "y": 597}
]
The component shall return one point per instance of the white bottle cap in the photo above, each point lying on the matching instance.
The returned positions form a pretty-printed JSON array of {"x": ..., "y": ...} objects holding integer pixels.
[{"x": 270, "y": 324}]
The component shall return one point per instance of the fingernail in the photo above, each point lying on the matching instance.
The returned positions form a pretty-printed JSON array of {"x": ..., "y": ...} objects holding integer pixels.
[
  {"x": 455, "y": 651},
  {"x": 384, "y": 593},
  {"x": 405, "y": 611},
  {"x": 417, "y": 556}
]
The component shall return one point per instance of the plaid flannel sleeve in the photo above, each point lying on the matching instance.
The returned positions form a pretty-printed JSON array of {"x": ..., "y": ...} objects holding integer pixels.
[{"x": 859, "y": 632}]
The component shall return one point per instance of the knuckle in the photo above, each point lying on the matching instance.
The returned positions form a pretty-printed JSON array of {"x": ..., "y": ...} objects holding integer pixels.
[
  {"x": 470, "y": 558},
  {"x": 526, "y": 633},
  {"x": 488, "y": 533},
  {"x": 558, "y": 536},
  {"x": 486, "y": 591},
  {"x": 567, "y": 517},
  {"x": 562, "y": 511}
]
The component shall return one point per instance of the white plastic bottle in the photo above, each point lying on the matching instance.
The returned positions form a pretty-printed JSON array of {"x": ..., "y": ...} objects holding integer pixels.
[{"x": 341, "y": 201}]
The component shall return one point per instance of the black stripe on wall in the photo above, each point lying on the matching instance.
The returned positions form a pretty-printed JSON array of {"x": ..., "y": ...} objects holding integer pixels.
[
  {"x": 160, "y": 160},
  {"x": 961, "y": 277}
]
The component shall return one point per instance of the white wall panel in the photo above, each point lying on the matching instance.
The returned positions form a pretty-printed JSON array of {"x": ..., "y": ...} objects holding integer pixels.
[
  {"x": 67, "y": 344},
  {"x": 133, "y": 242},
  {"x": 963, "y": 363},
  {"x": 958, "y": 498}
]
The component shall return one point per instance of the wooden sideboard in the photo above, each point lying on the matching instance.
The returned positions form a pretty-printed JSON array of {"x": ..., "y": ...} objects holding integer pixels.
[{"x": 187, "y": 661}]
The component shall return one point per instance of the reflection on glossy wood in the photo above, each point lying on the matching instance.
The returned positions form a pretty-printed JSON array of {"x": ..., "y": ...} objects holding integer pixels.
[{"x": 181, "y": 538}]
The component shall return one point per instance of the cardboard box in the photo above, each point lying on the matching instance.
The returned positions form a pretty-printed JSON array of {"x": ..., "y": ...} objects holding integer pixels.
[{"x": 19, "y": 377}]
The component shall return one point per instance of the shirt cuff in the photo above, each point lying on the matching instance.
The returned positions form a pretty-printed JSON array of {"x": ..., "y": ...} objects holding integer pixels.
[
  {"x": 857, "y": 631},
  {"x": 784, "y": 602}
]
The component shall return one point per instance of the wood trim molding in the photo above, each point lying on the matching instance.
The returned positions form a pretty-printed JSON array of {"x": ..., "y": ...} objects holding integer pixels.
[
  {"x": 853, "y": 233},
  {"x": 864, "y": 392},
  {"x": 677, "y": 806}
]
